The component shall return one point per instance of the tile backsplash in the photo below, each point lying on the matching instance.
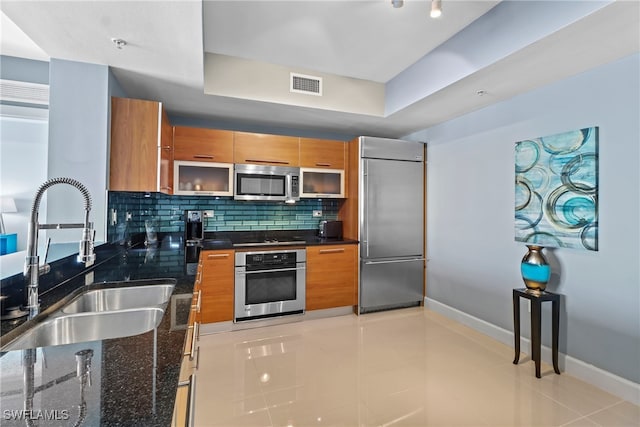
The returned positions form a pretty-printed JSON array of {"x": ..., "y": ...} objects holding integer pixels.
[{"x": 132, "y": 209}]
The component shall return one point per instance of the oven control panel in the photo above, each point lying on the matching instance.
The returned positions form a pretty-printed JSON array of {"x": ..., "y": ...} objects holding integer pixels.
[{"x": 270, "y": 259}]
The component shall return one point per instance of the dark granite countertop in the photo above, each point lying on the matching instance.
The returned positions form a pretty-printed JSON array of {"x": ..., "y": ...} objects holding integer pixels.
[
  {"x": 133, "y": 379},
  {"x": 269, "y": 239}
]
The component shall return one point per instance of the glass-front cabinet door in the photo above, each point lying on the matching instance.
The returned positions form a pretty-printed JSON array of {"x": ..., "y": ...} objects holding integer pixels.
[
  {"x": 322, "y": 183},
  {"x": 202, "y": 178}
]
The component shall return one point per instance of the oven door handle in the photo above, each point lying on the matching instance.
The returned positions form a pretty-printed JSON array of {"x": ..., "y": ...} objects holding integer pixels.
[{"x": 275, "y": 270}]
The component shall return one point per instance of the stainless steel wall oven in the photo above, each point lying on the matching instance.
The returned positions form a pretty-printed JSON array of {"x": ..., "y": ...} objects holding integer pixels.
[{"x": 269, "y": 283}]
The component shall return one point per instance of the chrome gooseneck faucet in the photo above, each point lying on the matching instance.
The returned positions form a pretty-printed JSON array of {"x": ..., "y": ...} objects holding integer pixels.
[{"x": 31, "y": 263}]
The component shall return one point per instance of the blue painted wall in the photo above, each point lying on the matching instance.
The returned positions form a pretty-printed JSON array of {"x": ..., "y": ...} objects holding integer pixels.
[
  {"x": 78, "y": 142},
  {"x": 24, "y": 70},
  {"x": 474, "y": 261}
]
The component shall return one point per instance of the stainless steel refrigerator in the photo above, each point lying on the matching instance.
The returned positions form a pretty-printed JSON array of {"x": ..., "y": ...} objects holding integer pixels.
[{"x": 391, "y": 229}]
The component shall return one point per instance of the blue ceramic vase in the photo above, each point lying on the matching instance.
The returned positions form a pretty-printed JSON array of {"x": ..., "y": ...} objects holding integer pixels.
[{"x": 535, "y": 269}]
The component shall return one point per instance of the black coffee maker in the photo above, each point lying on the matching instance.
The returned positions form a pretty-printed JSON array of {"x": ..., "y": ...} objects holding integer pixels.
[{"x": 193, "y": 236}]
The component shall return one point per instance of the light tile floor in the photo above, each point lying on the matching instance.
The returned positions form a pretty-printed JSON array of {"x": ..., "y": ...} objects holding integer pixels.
[{"x": 408, "y": 367}]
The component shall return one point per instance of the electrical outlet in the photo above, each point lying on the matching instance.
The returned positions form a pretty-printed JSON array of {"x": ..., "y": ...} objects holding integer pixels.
[
  {"x": 129, "y": 216},
  {"x": 208, "y": 214},
  {"x": 317, "y": 214}
]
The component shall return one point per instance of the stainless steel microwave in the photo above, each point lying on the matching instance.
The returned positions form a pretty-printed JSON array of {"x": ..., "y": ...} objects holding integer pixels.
[{"x": 260, "y": 182}]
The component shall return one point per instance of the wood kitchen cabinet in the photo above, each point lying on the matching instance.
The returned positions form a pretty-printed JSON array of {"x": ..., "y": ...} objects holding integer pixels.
[
  {"x": 264, "y": 149},
  {"x": 202, "y": 145},
  {"x": 217, "y": 285},
  {"x": 141, "y": 153},
  {"x": 322, "y": 153},
  {"x": 332, "y": 276}
]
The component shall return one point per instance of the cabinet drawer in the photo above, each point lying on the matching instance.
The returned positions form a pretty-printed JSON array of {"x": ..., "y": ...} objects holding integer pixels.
[
  {"x": 266, "y": 149},
  {"x": 202, "y": 145}
]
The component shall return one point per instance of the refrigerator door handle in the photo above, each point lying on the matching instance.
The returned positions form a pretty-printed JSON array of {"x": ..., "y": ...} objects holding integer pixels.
[
  {"x": 395, "y": 261},
  {"x": 365, "y": 170}
]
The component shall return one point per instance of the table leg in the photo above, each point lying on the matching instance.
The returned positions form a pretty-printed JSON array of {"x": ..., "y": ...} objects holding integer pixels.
[
  {"x": 535, "y": 334},
  {"x": 516, "y": 325},
  {"x": 555, "y": 307}
]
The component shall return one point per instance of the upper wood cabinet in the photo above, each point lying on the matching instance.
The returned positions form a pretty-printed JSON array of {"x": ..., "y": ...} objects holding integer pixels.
[
  {"x": 322, "y": 153},
  {"x": 141, "y": 146},
  {"x": 203, "y": 145},
  {"x": 166, "y": 155},
  {"x": 266, "y": 149}
]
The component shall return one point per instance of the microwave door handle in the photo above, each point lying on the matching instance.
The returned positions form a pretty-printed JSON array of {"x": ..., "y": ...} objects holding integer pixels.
[{"x": 287, "y": 185}]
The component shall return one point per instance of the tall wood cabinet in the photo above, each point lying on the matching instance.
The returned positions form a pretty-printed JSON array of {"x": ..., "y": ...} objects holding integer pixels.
[{"x": 141, "y": 154}]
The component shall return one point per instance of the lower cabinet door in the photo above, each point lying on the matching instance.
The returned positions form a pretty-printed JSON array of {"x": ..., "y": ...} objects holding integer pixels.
[
  {"x": 217, "y": 286},
  {"x": 331, "y": 276}
]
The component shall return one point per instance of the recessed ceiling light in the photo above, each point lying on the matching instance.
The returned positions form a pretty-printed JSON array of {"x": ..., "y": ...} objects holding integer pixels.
[
  {"x": 120, "y": 43},
  {"x": 436, "y": 8}
]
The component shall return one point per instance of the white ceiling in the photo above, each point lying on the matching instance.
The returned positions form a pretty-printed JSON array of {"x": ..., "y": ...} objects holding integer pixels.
[{"x": 366, "y": 39}]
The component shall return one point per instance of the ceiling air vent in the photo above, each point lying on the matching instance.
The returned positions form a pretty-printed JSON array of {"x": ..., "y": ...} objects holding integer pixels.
[
  {"x": 309, "y": 85},
  {"x": 24, "y": 92}
]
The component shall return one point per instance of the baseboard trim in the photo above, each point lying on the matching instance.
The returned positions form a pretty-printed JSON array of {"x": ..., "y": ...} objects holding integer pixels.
[{"x": 600, "y": 378}]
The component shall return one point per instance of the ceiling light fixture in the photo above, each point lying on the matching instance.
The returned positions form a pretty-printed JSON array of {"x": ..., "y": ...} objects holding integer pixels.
[
  {"x": 397, "y": 3},
  {"x": 436, "y": 8},
  {"x": 119, "y": 43}
]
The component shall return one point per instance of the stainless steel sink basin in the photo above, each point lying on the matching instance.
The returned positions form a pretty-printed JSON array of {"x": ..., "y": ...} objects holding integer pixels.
[
  {"x": 80, "y": 327},
  {"x": 120, "y": 298},
  {"x": 103, "y": 311}
]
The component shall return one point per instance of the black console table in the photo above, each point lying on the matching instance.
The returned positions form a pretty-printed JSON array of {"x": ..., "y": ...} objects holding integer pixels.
[{"x": 537, "y": 298}]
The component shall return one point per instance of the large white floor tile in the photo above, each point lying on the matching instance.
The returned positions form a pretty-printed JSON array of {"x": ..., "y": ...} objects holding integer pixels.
[{"x": 407, "y": 367}]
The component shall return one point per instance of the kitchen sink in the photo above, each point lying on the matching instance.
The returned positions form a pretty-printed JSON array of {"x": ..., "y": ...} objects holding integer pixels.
[
  {"x": 103, "y": 311},
  {"x": 120, "y": 298},
  {"x": 80, "y": 327}
]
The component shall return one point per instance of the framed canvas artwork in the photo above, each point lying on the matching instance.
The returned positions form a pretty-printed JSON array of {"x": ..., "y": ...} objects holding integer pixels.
[{"x": 556, "y": 190}]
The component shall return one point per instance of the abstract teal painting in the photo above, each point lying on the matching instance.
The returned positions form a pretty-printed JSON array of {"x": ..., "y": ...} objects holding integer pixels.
[{"x": 556, "y": 190}]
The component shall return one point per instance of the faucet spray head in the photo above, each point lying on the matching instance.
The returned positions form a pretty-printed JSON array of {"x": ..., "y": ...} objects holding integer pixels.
[{"x": 85, "y": 252}]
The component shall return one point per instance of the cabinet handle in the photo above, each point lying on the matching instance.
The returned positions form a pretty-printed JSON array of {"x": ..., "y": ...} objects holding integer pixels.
[
  {"x": 323, "y": 164},
  {"x": 166, "y": 147},
  {"x": 194, "y": 333},
  {"x": 203, "y": 156},
  {"x": 331, "y": 251},
  {"x": 165, "y": 188},
  {"x": 213, "y": 256},
  {"x": 198, "y": 303},
  {"x": 280, "y": 162}
]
